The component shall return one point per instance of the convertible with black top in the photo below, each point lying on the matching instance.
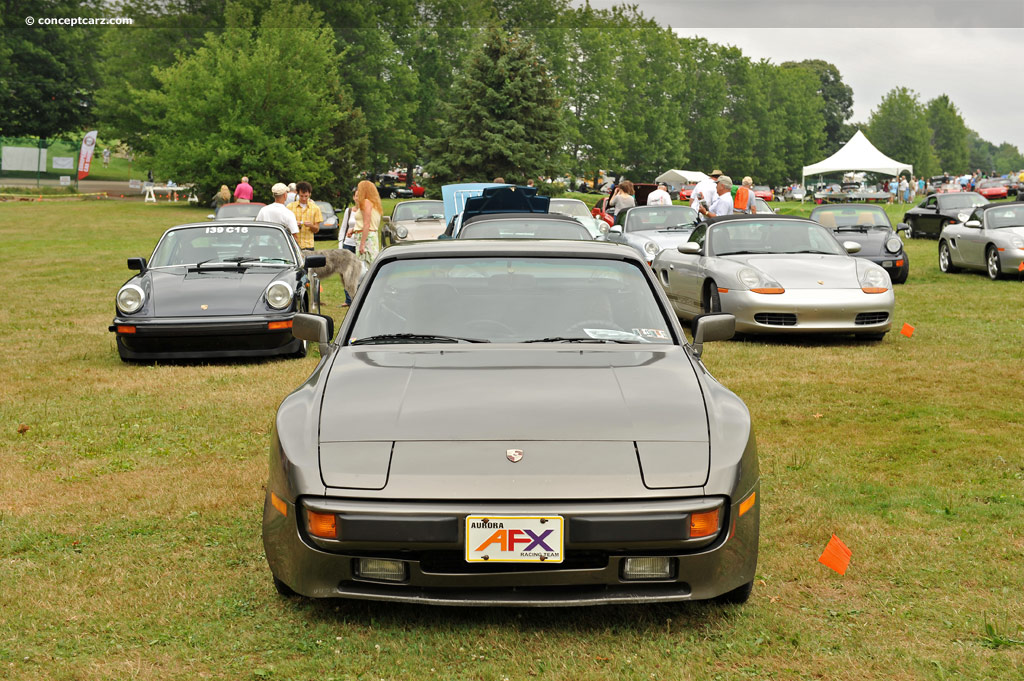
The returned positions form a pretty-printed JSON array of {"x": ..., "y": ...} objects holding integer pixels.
[{"x": 540, "y": 433}]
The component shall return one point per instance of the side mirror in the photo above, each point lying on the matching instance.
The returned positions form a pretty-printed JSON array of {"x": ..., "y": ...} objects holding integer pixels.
[
  {"x": 386, "y": 219},
  {"x": 211, "y": 216},
  {"x": 137, "y": 264},
  {"x": 315, "y": 328},
  {"x": 713, "y": 326},
  {"x": 315, "y": 261},
  {"x": 903, "y": 227},
  {"x": 851, "y": 246},
  {"x": 615, "y": 229},
  {"x": 689, "y": 248},
  {"x": 976, "y": 224}
]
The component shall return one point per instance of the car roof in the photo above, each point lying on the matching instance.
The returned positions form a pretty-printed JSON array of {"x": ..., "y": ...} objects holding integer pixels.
[
  {"x": 760, "y": 217},
  {"x": 518, "y": 215},
  {"x": 513, "y": 247},
  {"x": 859, "y": 206}
]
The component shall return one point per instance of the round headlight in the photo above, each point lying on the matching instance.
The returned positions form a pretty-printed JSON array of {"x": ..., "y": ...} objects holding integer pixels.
[
  {"x": 602, "y": 226},
  {"x": 402, "y": 231},
  {"x": 652, "y": 249},
  {"x": 279, "y": 295},
  {"x": 130, "y": 298},
  {"x": 893, "y": 245},
  {"x": 749, "y": 278},
  {"x": 962, "y": 217}
]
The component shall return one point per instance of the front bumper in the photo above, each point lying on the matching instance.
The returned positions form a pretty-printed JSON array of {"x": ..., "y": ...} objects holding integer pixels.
[
  {"x": 810, "y": 311},
  {"x": 198, "y": 337},
  {"x": 897, "y": 265},
  {"x": 327, "y": 232},
  {"x": 429, "y": 539}
]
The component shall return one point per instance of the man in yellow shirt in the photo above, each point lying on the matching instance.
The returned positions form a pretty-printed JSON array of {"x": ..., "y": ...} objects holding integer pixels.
[{"x": 307, "y": 214}]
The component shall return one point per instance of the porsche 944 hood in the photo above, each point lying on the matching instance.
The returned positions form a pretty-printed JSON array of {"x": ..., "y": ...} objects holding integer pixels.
[
  {"x": 574, "y": 392},
  {"x": 806, "y": 270},
  {"x": 232, "y": 292}
]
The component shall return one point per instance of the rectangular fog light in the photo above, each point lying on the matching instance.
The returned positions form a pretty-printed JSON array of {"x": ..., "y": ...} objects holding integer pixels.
[
  {"x": 651, "y": 567},
  {"x": 381, "y": 569}
]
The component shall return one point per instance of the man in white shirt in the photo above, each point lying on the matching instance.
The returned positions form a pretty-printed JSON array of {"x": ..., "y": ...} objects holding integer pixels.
[
  {"x": 723, "y": 202},
  {"x": 277, "y": 212},
  {"x": 660, "y": 196},
  {"x": 705, "y": 189}
]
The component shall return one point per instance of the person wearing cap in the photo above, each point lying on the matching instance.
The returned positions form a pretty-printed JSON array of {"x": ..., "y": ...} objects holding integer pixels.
[
  {"x": 278, "y": 212},
  {"x": 704, "y": 193},
  {"x": 660, "y": 196},
  {"x": 243, "y": 191},
  {"x": 722, "y": 204}
]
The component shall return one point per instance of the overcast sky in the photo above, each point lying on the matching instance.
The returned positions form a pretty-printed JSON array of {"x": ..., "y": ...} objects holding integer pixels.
[{"x": 981, "y": 68}]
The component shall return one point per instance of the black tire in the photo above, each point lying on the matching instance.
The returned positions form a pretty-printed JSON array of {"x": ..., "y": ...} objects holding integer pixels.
[
  {"x": 911, "y": 228},
  {"x": 737, "y": 596},
  {"x": 871, "y": 337},
  {"x": 304, "y": 345},
  {"x": 392, "y": 194},
  {"x": 993, "y": 266},
  {"x": 283, "y": 588},
  {"x": 946, "y": 259},
  {"x": 711, "y": 301},
  {"x": 904, "y": 272}
]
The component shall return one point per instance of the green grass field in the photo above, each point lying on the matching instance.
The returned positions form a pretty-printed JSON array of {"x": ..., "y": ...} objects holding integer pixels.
[{"x": 132, "y": 496}]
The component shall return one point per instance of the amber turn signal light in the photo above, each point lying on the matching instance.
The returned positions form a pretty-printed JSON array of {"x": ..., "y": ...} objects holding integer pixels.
[
  {"x": 769, "y": 291},
  {"x": 126, "y": 329},
  {"x": 874, "y": 289},
  {"x": 279, "y": 504},
  {"x": 748, "y": 503},
  {"x": 322, "y": 525},
  {"x": 279, "y": 325},
  {"x": 703, "y": 524}
]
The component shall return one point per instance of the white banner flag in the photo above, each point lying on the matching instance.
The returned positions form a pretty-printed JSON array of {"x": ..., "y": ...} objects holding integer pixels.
[{"x": 85, "y": 156}]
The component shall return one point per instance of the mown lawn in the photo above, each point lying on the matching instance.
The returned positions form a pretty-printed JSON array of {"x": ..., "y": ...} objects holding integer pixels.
[{"x": 130, "y": 504}]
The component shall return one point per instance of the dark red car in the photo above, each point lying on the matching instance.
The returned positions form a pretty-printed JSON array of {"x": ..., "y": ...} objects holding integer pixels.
[
  {"x": 993, "y": 189},
  {"x": 764, "y": 192},
  {"x": 686, "y": 193}
]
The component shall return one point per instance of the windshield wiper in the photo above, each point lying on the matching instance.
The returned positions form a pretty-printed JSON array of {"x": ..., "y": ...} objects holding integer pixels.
[
  {"x": 746, "y": 253},
  {"x": 424, "y": 337},
  {"x": 687, "y": 225},
  {"x": 428, "y": 217},
  {"x": 572, "y": 339},
  {"x": 809, "y": 251}
]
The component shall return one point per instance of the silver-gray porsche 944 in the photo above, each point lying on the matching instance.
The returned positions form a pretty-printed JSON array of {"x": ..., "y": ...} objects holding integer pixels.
[{"x": 512, "y": 423}]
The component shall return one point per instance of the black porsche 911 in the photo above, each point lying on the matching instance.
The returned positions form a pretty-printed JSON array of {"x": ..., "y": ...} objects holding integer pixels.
[
  {"x": 868, "y": 226},
  {"x": 214, "y": 290},
  {"x": 938, "y": 210}
]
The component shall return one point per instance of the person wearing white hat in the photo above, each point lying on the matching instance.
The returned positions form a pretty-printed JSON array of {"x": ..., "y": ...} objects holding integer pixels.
[{"x": 278, "y": 212}]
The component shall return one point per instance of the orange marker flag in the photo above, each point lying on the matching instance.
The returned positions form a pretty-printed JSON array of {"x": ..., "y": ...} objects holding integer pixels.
[
  {"x": 907, "y": 330},
  {"x": 836, "y": 555},
  {"x": 1020, "y": 267}
]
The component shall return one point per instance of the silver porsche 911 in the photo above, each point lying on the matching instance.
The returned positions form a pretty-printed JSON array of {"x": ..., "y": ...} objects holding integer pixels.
[
  {"x": 512, "y": 423},
  {"x": 777, "y": 274},
  {"x": 991, "y": 239}
]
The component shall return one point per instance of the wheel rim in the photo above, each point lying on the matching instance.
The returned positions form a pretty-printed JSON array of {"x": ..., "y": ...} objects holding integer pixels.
[
  {"x": 944, "y": 258},
  {"x": 993, "y": 263}
]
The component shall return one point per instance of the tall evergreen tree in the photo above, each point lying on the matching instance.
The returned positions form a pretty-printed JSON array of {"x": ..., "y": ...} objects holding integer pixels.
[
  {"x": 949, "y": 134},
  {"x": 503, "y": 117}
]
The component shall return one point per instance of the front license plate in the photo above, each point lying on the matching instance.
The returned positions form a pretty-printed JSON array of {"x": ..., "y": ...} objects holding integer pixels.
[
  {"x": 514, "y": 539},
  {"x": 887, "y": 263}
]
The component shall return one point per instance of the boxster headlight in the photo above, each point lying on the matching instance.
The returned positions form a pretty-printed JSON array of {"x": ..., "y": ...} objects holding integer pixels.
[
  {"x": 130, "y": 298},
  {"x": 279, "y": 295},
  {"x": 874, "y": 280}
]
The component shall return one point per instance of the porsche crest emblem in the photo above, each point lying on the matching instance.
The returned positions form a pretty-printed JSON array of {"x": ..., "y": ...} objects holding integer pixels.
[
  {"x": 821, "y": 282},
  {"x": 206, "y": 307},
  {"x": 514, "y": 455}
]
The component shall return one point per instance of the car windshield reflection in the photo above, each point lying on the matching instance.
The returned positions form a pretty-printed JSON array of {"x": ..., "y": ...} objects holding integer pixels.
[
  {"x": 223, "y": 243},
  {"x": 510, "y": 300},
  {"x": 644, "y": 218},
  {"x": 777, "y": 236}
]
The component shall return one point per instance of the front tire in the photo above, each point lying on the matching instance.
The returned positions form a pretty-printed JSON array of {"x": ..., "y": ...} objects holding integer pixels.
[
  {"x": 871, "y": 337},
  {"x": 283, "y": 588},
  {"x": 992, "y": 264},
  {"x": 911, "y": 228},
  {"x": 946, "y": 259},
  {"x": 712, "y": 300},
  {"x": 737, "y": 596}
]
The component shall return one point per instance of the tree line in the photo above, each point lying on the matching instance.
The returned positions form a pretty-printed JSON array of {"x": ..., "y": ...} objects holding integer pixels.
[{"x": 324, "y": 91}]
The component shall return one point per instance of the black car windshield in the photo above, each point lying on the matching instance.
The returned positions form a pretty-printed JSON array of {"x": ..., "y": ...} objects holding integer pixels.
[
  {"x": 963, "y": 200},
  {"x": 1011, "y": 215},
  {"x": 735, "y": 237},
  {"x": 853, "y": 218},
  {"x": 510, "y": 299},
  {"x": 525, "y": 228},
  {"x": 571, "y": 207},
  {"x": 223, "y": 243},
  {"x": 233, "y": 211},
  {"x": 326, "y": 209},
  {"x": 417, "y": 210},
  {"x": 644, "y": 218}
]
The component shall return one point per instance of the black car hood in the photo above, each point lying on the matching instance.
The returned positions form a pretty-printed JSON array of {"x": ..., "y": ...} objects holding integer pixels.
[
  {"x": 871, "y": 242},
  {"x": 183, "y": 292},
  {"x": 574, "y": 392}
]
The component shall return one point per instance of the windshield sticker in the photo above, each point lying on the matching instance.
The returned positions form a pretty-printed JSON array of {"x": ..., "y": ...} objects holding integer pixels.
[
  {"x": 612, "y": 334},
  {"x": 651, "y": 333}
]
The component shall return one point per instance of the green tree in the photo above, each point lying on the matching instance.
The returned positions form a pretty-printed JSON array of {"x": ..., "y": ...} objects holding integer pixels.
[
  {"x": 980, "y": 152},
  {"x": 899, "y": 129},
  {"x": 707, "y": 124},
  {"x": 47, "y": 73},
  {"x": 1007, "y": 159},
  {"x": 502, "y": 118},
  {"x": 232, "y": 108},
  {"x": 949, "y": 134},
  {"x": 836, "y": 100},
  {"x": 793, "y": 132}
]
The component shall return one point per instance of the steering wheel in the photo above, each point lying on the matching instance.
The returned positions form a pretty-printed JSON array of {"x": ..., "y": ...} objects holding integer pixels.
[{"x": 486, "y": 325}]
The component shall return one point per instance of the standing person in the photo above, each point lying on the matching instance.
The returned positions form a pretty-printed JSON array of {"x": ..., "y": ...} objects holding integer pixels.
[
  {"x": 904, "y": 197},
  {"x": 367, "y": 214},
  {"x": 293, "y": 193},
  {"x": 348, "y": 220},
  {"x": 277, "y": 212},
  {"x": 743, "y": 202},
  {"x": 920, "y": 186},
  {"x": 106, "y": 157},
  {"x": 221, "y": 197},
  {"x": 307, "y": 214},
  {"x": 660, "y": 196},
  {"x": 705, "y": 191},
  {"x": 622, "y": 198},
  {"x": 243, "y": 191},
  {"x": 722, "y": 204}
]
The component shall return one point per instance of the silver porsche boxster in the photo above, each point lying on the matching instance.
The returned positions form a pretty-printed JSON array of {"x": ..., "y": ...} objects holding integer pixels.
[
  {"x": 777, "y": 274},
  {"x": 991, "y": 239},
  {"x": 512, "y": 423}
]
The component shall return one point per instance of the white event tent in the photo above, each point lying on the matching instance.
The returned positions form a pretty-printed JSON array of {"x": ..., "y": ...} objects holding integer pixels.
[
  {"x": 681, "y": 176},
  {"x": 857, "y": 154}
]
